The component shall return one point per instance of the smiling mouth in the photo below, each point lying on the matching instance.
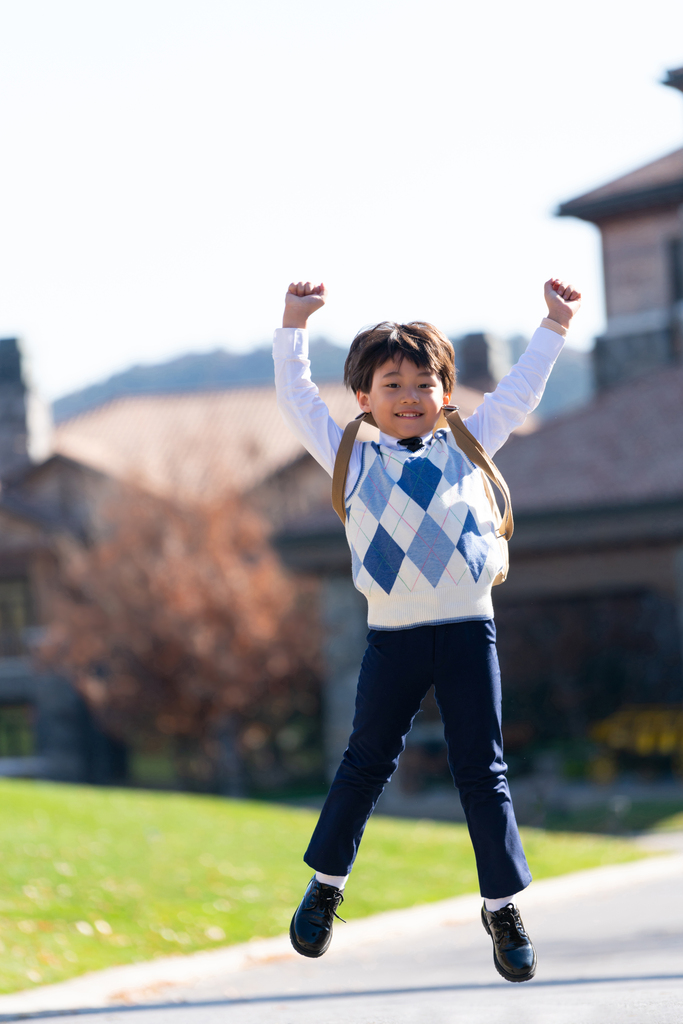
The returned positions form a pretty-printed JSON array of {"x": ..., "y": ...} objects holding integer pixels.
[{"x": 408, "y": 415}]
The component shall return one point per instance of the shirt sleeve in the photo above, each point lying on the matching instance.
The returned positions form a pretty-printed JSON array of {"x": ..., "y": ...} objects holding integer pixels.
[
  {"x": 517, "y": 394},
  {"x": 301, "y": 406}
]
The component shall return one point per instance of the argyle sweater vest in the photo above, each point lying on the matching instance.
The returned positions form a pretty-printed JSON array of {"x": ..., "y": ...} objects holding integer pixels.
[{"x": 422, "y": 537}]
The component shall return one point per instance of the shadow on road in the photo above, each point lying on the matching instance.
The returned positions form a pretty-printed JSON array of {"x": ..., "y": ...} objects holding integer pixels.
[{"x": 312, "y": 996}]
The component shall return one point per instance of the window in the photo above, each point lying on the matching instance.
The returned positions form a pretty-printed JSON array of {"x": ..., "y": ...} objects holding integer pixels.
[
  {"x": 17, "y": 735},
  {"x": 676, "y": 268},
  {"x": 15, "y": 615}
]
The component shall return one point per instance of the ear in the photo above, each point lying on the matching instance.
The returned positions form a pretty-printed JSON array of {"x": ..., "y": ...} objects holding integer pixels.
[
  {"x": 363, "y": 401},
  {"x": 446, "y": 399}
]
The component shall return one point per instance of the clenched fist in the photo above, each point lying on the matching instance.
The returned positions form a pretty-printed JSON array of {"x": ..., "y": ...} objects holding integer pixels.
[
  {"x": 300, "y": 301},
  {"x": 562, "y": 299}
]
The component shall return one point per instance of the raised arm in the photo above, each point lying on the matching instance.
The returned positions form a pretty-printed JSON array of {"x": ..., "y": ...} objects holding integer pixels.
[
  {"x": 520, "y": 391},
  {"x": 298, "y": 398}
]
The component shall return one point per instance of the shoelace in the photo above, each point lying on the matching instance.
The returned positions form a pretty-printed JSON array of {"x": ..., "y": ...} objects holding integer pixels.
[
  {"x": 511, "y": 923},
  {"x": 518, "y": 924},
  {"x": 337, "y": 898}
]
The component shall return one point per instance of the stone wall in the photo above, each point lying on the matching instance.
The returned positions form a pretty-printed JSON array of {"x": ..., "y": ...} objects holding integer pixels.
[
  {"x": 636, "y": 259},
  {"x": 640, "y": 296}
]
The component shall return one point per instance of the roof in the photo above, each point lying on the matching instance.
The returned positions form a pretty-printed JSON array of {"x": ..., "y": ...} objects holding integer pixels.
[
  {"x": 198, "y": 445},
  {"x": 625, "y": 448},
  {"x": 674, "y": 78},
  {"x": 657, "y": 184},
  {"x": 58, "y": 494}
]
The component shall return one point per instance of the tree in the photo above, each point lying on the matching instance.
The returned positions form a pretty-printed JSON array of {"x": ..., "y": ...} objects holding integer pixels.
[{"x": 180, "y": 622}]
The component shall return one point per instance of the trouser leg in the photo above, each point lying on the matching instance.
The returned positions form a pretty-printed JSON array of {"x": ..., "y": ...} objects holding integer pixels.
[
  {"x": 468, "y": 692},
  {"x": 395, "y": 675}
]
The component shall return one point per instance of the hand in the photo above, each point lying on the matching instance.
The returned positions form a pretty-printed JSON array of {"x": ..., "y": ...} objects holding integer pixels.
[
  {"x": 300, "y": 301},
  {"x": 562, "y": 299}
]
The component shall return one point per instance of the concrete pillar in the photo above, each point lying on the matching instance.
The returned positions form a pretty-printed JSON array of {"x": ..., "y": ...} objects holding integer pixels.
[
  {"x": 344, "y": 614},
  {"x": 678, "y": 576}
]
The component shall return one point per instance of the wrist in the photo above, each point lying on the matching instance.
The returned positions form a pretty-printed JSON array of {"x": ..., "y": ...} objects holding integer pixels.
[
  {"x": 563, "y": 319},
  {"x": 296, "y": 320},
  {"x": 551, "y": 324}
]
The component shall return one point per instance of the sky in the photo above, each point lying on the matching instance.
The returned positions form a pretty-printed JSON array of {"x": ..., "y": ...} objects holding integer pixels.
[{"x": 170, "y": 165}]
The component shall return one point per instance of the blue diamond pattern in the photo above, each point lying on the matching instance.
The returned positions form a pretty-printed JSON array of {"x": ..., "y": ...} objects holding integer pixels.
[
  {"x": 420, "y": 479},
  {"x": 431, "y": 550},
  {"x": 376, "y": 489},
  {"x": 383, "y": 559},
  {"x": 472, "y": 546},
  {"x": 454, "y": 468},
  {"x": 356, "y": 564}
]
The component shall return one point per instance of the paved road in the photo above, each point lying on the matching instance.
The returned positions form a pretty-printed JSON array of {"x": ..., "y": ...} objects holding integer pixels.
[{"x": 614, "y": 957}]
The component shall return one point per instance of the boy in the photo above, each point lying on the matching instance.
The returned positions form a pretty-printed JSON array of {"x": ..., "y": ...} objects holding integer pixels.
[{"x": 425, "y": 553}]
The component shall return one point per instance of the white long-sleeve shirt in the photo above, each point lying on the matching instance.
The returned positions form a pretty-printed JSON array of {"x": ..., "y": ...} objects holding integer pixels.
[{"x": 307, "y": 416}]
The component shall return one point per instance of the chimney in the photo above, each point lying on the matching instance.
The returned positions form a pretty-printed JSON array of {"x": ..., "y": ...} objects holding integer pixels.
[
  {"x": 481, "y": 359},
  {"x": 24, "y": 426},
  {"x": 674, "y": 79}
]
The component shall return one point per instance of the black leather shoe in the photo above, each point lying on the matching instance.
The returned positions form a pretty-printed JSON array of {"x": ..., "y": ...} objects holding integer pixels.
[
  {"x": 513, "y": 953},
  {"x": 311, "y": 927}
]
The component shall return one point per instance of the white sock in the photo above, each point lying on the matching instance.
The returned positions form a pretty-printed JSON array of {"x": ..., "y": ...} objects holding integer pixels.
[
  {"x": 493, "y": 905},
  {"x": 338, "y": 881}
]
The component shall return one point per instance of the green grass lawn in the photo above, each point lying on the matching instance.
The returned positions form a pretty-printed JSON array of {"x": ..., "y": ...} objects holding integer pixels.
[
  {"x": 95, "y": 877},
  {"x": 673, "y": 822},
  {"x": 628, "y": 817}
]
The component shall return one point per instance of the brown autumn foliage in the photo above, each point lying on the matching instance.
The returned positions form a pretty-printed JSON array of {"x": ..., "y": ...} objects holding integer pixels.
[{"x": 180, "y": 622}]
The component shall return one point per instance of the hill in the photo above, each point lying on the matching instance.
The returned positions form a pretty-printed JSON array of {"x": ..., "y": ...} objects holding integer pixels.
[{"x": 204, "y": 371}]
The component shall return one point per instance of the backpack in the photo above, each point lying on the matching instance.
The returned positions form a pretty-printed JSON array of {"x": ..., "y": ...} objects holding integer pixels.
[{"x": 467, "y": 444}]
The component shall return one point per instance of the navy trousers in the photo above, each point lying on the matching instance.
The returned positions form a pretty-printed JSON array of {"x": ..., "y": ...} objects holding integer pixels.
[{"x": 399, "y": 666}]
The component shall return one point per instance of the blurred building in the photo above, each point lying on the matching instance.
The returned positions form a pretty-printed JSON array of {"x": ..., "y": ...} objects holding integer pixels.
[
  {"x": 189, "y": 447},
  {"x": 45, "y": 727},
  {"x": 193, "y": 446},
  {"x": 591, "y": 618},
  {"x": 641, "y": 226}
]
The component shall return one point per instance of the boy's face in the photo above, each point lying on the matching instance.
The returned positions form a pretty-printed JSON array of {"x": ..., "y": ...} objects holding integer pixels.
[{"x": 405, "y": 400}]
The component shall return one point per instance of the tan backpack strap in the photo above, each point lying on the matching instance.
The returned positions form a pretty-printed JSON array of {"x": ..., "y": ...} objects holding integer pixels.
[
  {"x": 341, "y": 463},
  {"x": 468, "y": 444}
]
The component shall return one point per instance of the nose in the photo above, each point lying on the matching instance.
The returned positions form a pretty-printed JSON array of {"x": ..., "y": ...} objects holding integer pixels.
[{"x": 411, "y": 396}]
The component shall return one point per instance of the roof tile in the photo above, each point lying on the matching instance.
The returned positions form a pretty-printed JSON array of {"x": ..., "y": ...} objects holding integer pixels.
[
  {"x": 626, "y": 447},
  {"x": 198, "y": 445}
]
